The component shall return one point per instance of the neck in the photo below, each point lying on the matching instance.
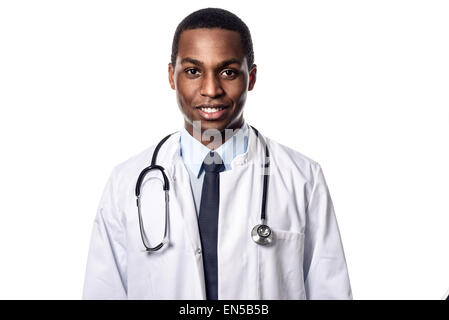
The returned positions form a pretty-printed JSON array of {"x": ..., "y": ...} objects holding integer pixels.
[{"x": 211, "y": 137}]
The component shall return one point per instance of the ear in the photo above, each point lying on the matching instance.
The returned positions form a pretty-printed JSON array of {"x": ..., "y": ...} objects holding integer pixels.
[
  {"x": 252, "y": 77},
  {"x": 171, "y": 75}
]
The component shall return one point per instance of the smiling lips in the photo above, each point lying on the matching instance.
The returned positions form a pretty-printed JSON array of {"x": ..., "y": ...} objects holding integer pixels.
[{"x": 212, "y": 112}]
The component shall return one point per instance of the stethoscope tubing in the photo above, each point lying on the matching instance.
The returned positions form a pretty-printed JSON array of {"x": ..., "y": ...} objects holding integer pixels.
[{"x": 261, "y": 233}]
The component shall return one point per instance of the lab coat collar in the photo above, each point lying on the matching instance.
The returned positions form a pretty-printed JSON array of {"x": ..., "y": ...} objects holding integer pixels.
[
  {"x": 255, "y": 153},
  {"x": 170, "y": 153},
  {"x": 194, "y": 152}
]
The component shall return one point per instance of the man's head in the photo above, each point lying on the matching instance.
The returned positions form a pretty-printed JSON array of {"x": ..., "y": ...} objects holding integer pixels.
[{"x": 212, "y": 68}]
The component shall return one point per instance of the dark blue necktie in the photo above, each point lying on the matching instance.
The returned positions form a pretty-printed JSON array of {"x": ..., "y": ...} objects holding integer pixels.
[{"x": 208, "y": 221}]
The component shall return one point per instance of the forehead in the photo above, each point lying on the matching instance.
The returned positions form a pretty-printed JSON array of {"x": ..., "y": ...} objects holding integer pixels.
[{"x": 210, "y": 44}]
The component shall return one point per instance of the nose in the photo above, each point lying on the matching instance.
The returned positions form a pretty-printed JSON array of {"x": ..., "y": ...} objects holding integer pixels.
[{"x": 211, "y": 86}]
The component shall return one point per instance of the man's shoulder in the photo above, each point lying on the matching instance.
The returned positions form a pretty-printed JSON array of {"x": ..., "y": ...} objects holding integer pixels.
[
  {"x": 134, "y": 164},
  {"x": 136, "y": 160},
  {"x": 291, "y": 153},
  {"x": 289, "y": 160}
]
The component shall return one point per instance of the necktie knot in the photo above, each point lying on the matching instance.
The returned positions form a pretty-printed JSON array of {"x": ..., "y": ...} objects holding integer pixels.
[{"x": 213, "y": 163}]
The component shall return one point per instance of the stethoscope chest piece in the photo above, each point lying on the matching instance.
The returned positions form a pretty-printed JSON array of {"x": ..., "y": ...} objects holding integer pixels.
[{"x": 262, "y": 234}]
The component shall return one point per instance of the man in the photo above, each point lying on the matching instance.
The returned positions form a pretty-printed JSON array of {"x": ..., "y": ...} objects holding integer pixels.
[{"x": 246, "y": 220}]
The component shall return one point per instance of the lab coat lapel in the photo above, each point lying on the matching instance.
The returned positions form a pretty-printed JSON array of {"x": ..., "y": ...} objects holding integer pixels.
[
  {"x": 183, "y": 194},
  {"x": 184, "y": 200},
  {"x": 180, "y": 190},
  {"x": 181, "y": 200},
  {"x": 240, "y": 205}
]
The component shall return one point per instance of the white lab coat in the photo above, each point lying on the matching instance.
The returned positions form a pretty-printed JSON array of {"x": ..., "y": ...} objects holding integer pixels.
[{"x": 305, "y": 261}]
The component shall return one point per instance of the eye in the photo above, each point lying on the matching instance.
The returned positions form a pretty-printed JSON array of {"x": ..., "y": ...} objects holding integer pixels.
[
  {"x": 228, "y": 73},
  {"x": 192, "y": 71}
]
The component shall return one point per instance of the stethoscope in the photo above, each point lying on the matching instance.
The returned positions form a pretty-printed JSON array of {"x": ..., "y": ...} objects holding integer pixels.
[{"x": 261, "y": 233}]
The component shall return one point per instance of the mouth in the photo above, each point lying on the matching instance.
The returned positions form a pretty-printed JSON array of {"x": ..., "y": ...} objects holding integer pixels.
[{"x": 212, "y": 112}]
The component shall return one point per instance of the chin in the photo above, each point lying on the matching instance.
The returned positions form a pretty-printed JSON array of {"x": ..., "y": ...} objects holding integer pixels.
[{"x": 217, "y": 125}]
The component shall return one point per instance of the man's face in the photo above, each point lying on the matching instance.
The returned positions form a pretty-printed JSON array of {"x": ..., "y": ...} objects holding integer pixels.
[{"x": 211, "y": 78}]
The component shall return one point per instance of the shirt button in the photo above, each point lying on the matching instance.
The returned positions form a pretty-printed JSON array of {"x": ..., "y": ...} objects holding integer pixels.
[{"x": 198, "y": 251}]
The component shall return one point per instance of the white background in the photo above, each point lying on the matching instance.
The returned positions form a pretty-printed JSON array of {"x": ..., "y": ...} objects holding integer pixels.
[{"x": 359, "y": 86}]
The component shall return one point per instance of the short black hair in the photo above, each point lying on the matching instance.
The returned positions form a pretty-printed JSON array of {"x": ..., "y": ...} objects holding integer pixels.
[{"x": 215, "y": 18}]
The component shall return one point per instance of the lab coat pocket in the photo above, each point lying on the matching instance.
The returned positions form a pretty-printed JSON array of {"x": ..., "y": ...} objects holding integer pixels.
[{"x": 281, "y": 266}]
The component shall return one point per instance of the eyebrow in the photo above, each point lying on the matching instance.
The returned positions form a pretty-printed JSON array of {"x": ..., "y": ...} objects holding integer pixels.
[{"x": 221, "y": 65}]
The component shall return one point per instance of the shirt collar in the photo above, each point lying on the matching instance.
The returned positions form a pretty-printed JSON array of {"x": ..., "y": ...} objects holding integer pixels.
[{"x": 193, "y": 152}]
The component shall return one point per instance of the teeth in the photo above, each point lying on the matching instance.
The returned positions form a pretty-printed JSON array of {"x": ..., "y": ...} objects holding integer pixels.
[{"x": 211, "y": 110}]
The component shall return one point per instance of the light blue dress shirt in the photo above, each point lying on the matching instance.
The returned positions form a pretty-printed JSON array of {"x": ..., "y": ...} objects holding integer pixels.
[{"x": 193, "y": 153}]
